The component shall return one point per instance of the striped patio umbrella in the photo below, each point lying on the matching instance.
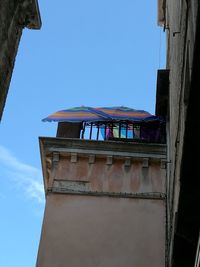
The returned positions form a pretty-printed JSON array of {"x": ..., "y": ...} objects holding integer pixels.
[
  {"x": 127, "y": 114},
  {"x": 77, "y": 114},
  {"x": 89, "y": 114}
]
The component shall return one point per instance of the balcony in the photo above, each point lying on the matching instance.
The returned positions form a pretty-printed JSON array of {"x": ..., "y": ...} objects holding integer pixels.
[{"x": 142, "y": 132}]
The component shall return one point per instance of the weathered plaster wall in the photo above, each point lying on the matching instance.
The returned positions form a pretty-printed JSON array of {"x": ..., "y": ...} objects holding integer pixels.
[{"x": 90, "y": 231}]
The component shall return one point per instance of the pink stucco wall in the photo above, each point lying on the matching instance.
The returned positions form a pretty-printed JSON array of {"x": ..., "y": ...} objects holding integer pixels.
[{"x": 88, "y": 231}]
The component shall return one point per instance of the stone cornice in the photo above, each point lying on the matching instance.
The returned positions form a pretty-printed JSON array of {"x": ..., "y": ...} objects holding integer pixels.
[
  {"x": 63, "y": 145},
  {"x": 31, "y": 9}
]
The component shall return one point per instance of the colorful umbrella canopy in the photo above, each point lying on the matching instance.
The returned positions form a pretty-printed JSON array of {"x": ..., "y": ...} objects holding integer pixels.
[
  {"x": 77, "y": 114},
  {"x": 126, "y": 114},
  {"x": 89, "y": 114}
]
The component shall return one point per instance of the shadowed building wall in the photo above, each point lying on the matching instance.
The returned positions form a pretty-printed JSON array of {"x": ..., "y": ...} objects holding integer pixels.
[
  {"x": 14, "y": 16},
  {"x": 181, "y": 21}
]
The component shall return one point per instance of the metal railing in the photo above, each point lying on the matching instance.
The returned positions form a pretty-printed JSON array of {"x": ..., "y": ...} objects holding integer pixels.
[{"x": 124, "y": 131}]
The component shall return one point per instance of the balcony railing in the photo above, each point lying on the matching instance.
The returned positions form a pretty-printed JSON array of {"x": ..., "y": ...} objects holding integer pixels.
[{"x": 151, "y": 132}]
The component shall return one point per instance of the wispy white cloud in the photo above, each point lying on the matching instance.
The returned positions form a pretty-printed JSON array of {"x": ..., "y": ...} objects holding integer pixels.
[{"x": 26, "y": 177}]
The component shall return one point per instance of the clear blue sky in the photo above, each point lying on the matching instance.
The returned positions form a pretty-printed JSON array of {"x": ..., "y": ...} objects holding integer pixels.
[{"x": 91, "y": 52}]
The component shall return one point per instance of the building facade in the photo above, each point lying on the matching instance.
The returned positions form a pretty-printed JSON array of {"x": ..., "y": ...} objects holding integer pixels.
[
  {"x": 105, "y": 203},
  {"x": 181, "y": 21}
]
